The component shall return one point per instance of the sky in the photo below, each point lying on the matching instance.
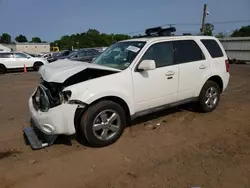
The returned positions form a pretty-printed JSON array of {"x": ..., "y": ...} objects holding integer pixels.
[{"x": 51, "y": 19}]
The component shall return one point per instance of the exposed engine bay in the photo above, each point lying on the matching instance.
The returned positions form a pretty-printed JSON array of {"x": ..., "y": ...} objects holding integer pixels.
[{"x": 54, "y": 90}]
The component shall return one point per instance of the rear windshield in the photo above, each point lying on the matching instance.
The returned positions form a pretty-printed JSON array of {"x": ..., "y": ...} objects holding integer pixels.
[{"x": 213, "y": 48}]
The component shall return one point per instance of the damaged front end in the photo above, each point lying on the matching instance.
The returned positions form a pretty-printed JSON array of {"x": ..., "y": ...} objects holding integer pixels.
[{"x": 51, "y": 110}]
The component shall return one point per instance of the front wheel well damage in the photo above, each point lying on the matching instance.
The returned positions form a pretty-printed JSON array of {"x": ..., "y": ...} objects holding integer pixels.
[{"x": 79, "y": 111}]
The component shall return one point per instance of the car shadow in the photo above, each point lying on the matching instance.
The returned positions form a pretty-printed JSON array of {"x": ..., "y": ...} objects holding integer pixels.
[
  {"x": 191, "y": 107},
  {"x": 66, "y": 140}
]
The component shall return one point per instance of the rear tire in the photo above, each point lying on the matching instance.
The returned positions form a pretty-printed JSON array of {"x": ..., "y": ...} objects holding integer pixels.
[
  {"x": 2, "y": 69},
  {"x": 37, "y": 65},
  {"x": 209, "y": 97},
  {"x": 103, "y": 123}
]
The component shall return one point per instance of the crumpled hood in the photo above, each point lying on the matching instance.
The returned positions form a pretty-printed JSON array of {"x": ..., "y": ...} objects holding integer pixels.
[{"x": 60, "y": 70}]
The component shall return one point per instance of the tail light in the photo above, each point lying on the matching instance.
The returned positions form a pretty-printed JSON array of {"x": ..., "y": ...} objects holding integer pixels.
[{"x": 227, "y": 65}]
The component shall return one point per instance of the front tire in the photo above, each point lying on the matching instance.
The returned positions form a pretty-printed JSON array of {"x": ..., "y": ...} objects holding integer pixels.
[
  {"x": 209, "y": 97},
  {"x": 103, "y": 123},
  {"x": 37, "y": 65},
  {"x": 2, "y": 69}
]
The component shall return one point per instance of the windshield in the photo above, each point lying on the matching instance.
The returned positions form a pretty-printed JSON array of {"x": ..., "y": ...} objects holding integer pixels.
[
  {"x": 73, "y": 54},
  {"x": 120, "y": 55},
  {"x": 32, "y": 55}
]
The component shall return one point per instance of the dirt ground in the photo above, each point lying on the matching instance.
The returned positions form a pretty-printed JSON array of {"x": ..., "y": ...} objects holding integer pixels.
[{"x": 176, "y": 148}]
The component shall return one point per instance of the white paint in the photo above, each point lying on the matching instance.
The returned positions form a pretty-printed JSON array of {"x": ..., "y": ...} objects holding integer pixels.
[
  {"x": 61, "y": 118},
  {"x": 60, "y": 70},
  {"x": 139, "y": 90}
]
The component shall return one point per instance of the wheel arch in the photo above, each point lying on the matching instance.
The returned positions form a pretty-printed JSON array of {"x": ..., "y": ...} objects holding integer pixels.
[
  {"x": 2, "y": 65},
  {"x": 38, "y": 62},
  {"x": 217, "y": 79},
  {"x": 79, "y": 111}
]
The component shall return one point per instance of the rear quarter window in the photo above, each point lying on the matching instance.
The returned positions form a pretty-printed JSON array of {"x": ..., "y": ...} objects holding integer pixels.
[
  {"x": 187, "y": 51},
  {"x": 5, "y": 55},
  {"x": 212, "y": 47}
]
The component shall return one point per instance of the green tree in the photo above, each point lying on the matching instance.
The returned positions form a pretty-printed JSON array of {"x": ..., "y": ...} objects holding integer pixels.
[
  {"x": 242, "y": 32},
  {"x": 221, "y": 35},
  {"x": 36, "y": 40},
  {"x": 5, "y": 38},
  {"x": 21, "y": 38},
  {"x": 90, "y": 38},
  {"x": 208, "y": 31}
]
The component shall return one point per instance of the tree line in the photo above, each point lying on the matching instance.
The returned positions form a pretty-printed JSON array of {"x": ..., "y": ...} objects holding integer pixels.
[
  {"x": 6, "y": 38},
  {"x": 93, "y": 38}
]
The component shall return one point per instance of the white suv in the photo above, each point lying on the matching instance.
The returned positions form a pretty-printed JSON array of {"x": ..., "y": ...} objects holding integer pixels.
[
  {"x": 131, "y": 78},
  {"x": 17, "y": 60}
]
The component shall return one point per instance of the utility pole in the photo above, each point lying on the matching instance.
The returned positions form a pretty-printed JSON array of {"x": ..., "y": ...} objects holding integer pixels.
[{"x": 204, "y": 19}]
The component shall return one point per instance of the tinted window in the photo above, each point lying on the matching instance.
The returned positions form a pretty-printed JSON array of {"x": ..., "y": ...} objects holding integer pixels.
[
  {"x": 213, "y": 48},
  {"x": 187, "y": 51},
  {"x": 89, "y": 53},
  {"x": 20, "y": 55},
  {"x": 5, "y": 55},
  {"x": 95, "y": 52},
  {"x": 161, "y": 53},
  {"x": 81, "y": 54}
]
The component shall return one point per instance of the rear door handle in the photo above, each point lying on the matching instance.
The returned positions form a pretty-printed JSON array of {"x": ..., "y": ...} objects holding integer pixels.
[
  {"x": 170, "y": 73},
  {"x": 203, "y": 67}
]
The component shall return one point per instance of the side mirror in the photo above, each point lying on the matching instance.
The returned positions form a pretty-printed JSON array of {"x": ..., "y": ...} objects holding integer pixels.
[{"x": 146, "y": 65}]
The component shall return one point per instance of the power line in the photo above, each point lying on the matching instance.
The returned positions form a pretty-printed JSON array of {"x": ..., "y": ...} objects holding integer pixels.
[{"x": 192, "y": 24}]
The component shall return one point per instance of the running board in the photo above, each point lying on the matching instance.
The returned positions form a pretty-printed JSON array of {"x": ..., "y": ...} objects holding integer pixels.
[{"x": 37, "y": 139}]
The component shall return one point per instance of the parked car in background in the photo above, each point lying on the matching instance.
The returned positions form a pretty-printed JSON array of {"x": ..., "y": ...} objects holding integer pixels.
[
  {"x": 85, "y": 55},
  {"x": 17, "y": 60},
  {"x": 60, "y": 55}
]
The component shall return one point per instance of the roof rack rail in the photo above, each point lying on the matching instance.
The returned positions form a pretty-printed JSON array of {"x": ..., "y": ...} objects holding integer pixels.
[{"x": 159, "y": 31}]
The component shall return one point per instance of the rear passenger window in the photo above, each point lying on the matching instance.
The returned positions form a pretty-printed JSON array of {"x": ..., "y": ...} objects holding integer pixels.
[
  {"x": 212, "y": 47},
  {"x": 5, "y": 55},
  {"x": 89, "y": 53},
  {"x": 187, "y": 51}
]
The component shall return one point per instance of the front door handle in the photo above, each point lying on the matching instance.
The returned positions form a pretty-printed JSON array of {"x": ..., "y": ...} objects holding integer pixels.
[
  {"x": 203, "y": 67},
  {"x": 170, "y": 73}
]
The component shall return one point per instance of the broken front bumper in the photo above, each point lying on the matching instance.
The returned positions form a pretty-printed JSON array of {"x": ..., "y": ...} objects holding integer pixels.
[{"x": 57, "y": 120}]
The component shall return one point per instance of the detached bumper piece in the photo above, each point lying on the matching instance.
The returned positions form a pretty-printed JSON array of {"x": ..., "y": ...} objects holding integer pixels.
[{"x": 38, "y": 139}]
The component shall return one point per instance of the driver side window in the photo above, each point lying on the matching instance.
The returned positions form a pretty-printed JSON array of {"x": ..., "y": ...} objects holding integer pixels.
[{"x": 161, "y": 53}]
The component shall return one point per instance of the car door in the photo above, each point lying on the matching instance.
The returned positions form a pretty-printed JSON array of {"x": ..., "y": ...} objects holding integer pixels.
[
  {"x": 193, "y": 67},
  {"x": 7, "y": 60},
  {"x": 89, "y": 56},
  {"x": 81, "y": 56},
  {"x": 156, "y": 87},
  {"x": 22, "y": 59}
]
